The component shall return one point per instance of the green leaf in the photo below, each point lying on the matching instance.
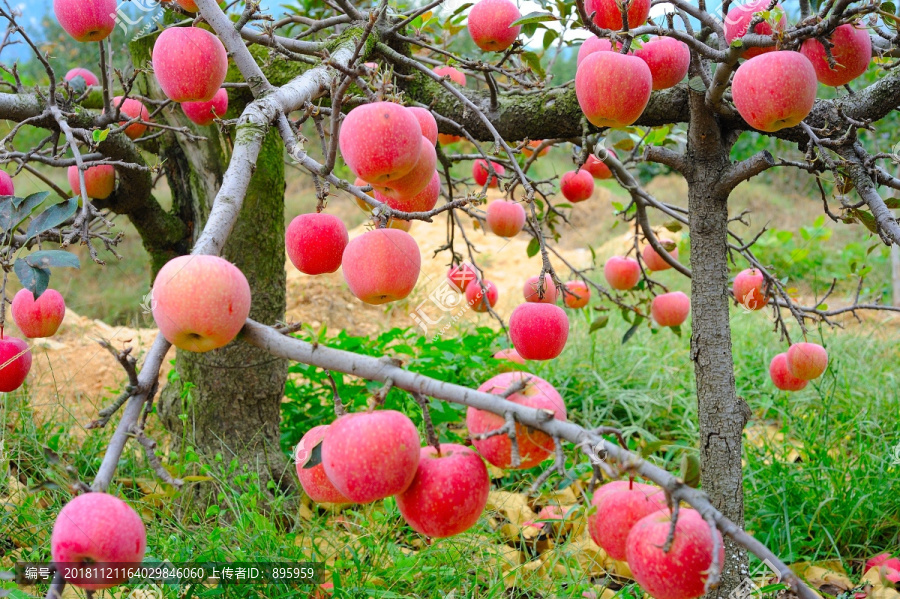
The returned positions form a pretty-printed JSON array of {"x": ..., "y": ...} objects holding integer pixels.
[
  {"x": 673, "y": 225},
  {"x": 212, "y": 510},
  {"x": 48, "y": 258},
  {"x": 822, "y": 307},
  {"x": 462, "y": 8},
  {"x": 618, "y": 207},
  {"x": 315, "y": 457},
  {"x": 866, "y": 218},
  {"x": 100, "y": 135},
  {"x": 549, "y": 37},
  {"x": 530, "y": 29},
  {"x": 599, "y": 322},
  {"x": 12, "y": 216},
  {"x": 533, "y": 61},
  {"x": 534, "y": 17},
  {"x": 630, "y": 332},
  {"x": 690, "y": 470},
  {"x": 676, "y": 329},
  {"x": 53, "y": 216},
  {"x": 696, "y": 84},
  {"x": 533, "y": 248},
  {"x": 33, "y": 278}
]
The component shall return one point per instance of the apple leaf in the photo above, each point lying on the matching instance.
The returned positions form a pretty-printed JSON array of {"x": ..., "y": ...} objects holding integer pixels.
[
  {"x": 549, "y": 37},
  {"x": 14, "y": 210},
  {"x": 630, "y": 332},
  {"x": 690, "y": 470},
  {"x": 33, "y": 278},
  {"x": 533, "y": 61},
  {"x": 673, "y": 226},
  {"x": 676, "y": 329},
  {"x": 892, "y": 202},
  {"x": 599, "y": 322},
  {"x": 53, "y": 216},
  {"x": 461, "y": 8},
  {"x": 315, "y": 457},
  {"x": 533, "y": 247},
  {"x": 534, "y": 17},
  {"x": 99, "y": 135},
  {"x": 48, "y": 258},
  {"x": 696, "y": 84}
]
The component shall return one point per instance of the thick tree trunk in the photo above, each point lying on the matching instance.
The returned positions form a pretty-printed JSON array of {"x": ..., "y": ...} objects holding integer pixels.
[
  {"x": 228, "y": 400},
  {"x": 722, "y": 415}
]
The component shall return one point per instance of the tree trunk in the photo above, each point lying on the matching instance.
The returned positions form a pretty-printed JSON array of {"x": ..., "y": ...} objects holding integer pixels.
[
  {"x": 722, "y": 415},
  {"x": 228, "y": 400}
]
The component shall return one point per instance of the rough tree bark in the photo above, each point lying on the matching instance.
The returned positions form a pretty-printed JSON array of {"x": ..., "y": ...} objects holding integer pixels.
[
  {"x": 722, "y": 414},
  {"x": 233, "y": 403}
]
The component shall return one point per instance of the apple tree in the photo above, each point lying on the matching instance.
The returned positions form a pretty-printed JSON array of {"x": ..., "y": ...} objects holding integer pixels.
[{"x": 685, "y": 85}]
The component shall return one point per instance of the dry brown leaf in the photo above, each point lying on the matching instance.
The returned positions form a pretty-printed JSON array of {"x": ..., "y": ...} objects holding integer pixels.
[{"x": 880, "y": 588}]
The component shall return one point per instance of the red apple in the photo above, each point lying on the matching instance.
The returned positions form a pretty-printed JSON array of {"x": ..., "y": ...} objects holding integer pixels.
[
  {"x": 618, "y": 510},
  {"x": 101, "y": 531},
  {"x": 807, "y": 361},
  {"x": 99, "y": 181},
  {"x": 738, "y": 20},
  {"x": 314, "y": 480},
  {"x": 448, "y": 493},
  {"x": 622, "y": 273},
  {"x": 681, "y": 573},
  {"x": 190, "y": 64},
  {"x": 416, "y": 179},
  {"x": 6, "y": 184},
  {"x": 427, "y": 122},
  {"x": 749, "y": 289},
  {"x": 200, "y": 303},
  {"x": 15, "y": 362},
  {"x": 455, "y": 75},
  {"x": 534, "y": 446},
  {"x": 188, "y": 5},
  {"x": 380, "y": 141},
  {"x": 852, "y": 54},
  {"x": 670, "y": 309},
  {"x": 423, "y": 201},
  {"x": 538, "y": 331},
  {"x": 476, "y": 298},
  {"x": 532, "y": 292},
  {"x": 371, "y": 455},
  {"x": 204, "y": 113},
  {"x": 579, "y": 294},
  {"x": 609, "y": 13},
  {"x": 613, "y": 89},
  {"x": 781, "y": 374},
  {"x": 133, "y": 109},
  {"x": 315, "y": 243},
  {"x": 528, "y": 150},
  {"x": 597, "y": 168},
  {"x": 89, "y": 77},
  {"x": 461, "y": 275},
  {"x": 668, "y": 59},
  {"x": 652, "y": 258},
  {"x": 39, "y": 317},
  {"x": 577, "y": 186},
  {"x": 591, "y": 45},
  {"x": 480, "y": 173},
  {"x": 86, "y": 20},
  {"x": 489, "y": 24},
  {"x": 381, "y": 265},
  {"x": 509, "y": 354},
  {"x": 774, "y": 90},
  {"x": 505, "y": 218}
]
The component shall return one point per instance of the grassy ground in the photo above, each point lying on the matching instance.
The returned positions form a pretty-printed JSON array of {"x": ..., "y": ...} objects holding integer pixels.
[{"x": 821, "y": 475}]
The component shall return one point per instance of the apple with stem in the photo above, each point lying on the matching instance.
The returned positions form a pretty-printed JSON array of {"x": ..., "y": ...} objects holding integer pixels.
[
  {"x": 668, "y": 59},
  {"x": 381, "y": 266},
  {"x": 578, "y": 296},
  {"x": 86, "y": 20},
  {"x": 749, "y": 289},
  {"x": 380, "y": 141},
  {"x": 538, "y": 331},
  {"x": 591, "y": 45},
  {"x": 99, "y": 181},
  {"x": 533, "y": 293},
  {"x": 461, "y": 275},
  {"x": 478, "y": 299},
  {"x": 613, "y": 89},
  {"x": 577, "y": 186},
  {"x": 852, "y": 53},
  {"x": 315, "y": 243},
  {"x": 371, "y": 455},
  {"x": 670, "y": 309},
  {"x": 609, "y": 13},
  {"x": 597, "y": 168},
  {"x": 449, "y": 491},
  {"x": 807, "y": 361},
  {"x": 781, "y": 375},
  {"x": 534, "y": 446},
  {"x": 205, "y": 113},
  {"x": 416, "y": 179},
  {"x": 505, "y": 218},
  {"x": 480, "y": 173},
  {"x": 490, "y": 24},
  {"x": 190, "y": 64},
  {"x": 200, "y": 303},
  {"x": 98, "y": 530},
  {"x": 656, "y": 262},
  {"x": 618, "y": 510},
  {"x": 622, "y": 273},
  {"x": 775, "y": 90},
  {"x": 738, "y": 20},
  {"x": 133, "y": 109},
  {"x": 39, "y": 317}
]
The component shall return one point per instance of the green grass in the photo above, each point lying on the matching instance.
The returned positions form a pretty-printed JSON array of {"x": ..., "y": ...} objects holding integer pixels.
[{"x": 838, "y": 501}]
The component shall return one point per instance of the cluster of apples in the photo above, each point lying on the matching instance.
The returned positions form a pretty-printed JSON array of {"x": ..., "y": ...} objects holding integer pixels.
[
  {"x": 801, "y": 363},
  {"x": 631, "y": 522},
  {"x": 98, "y": 529},
  {"x": 623, "y": 273},
  {"x": 369, "y": 456}
]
